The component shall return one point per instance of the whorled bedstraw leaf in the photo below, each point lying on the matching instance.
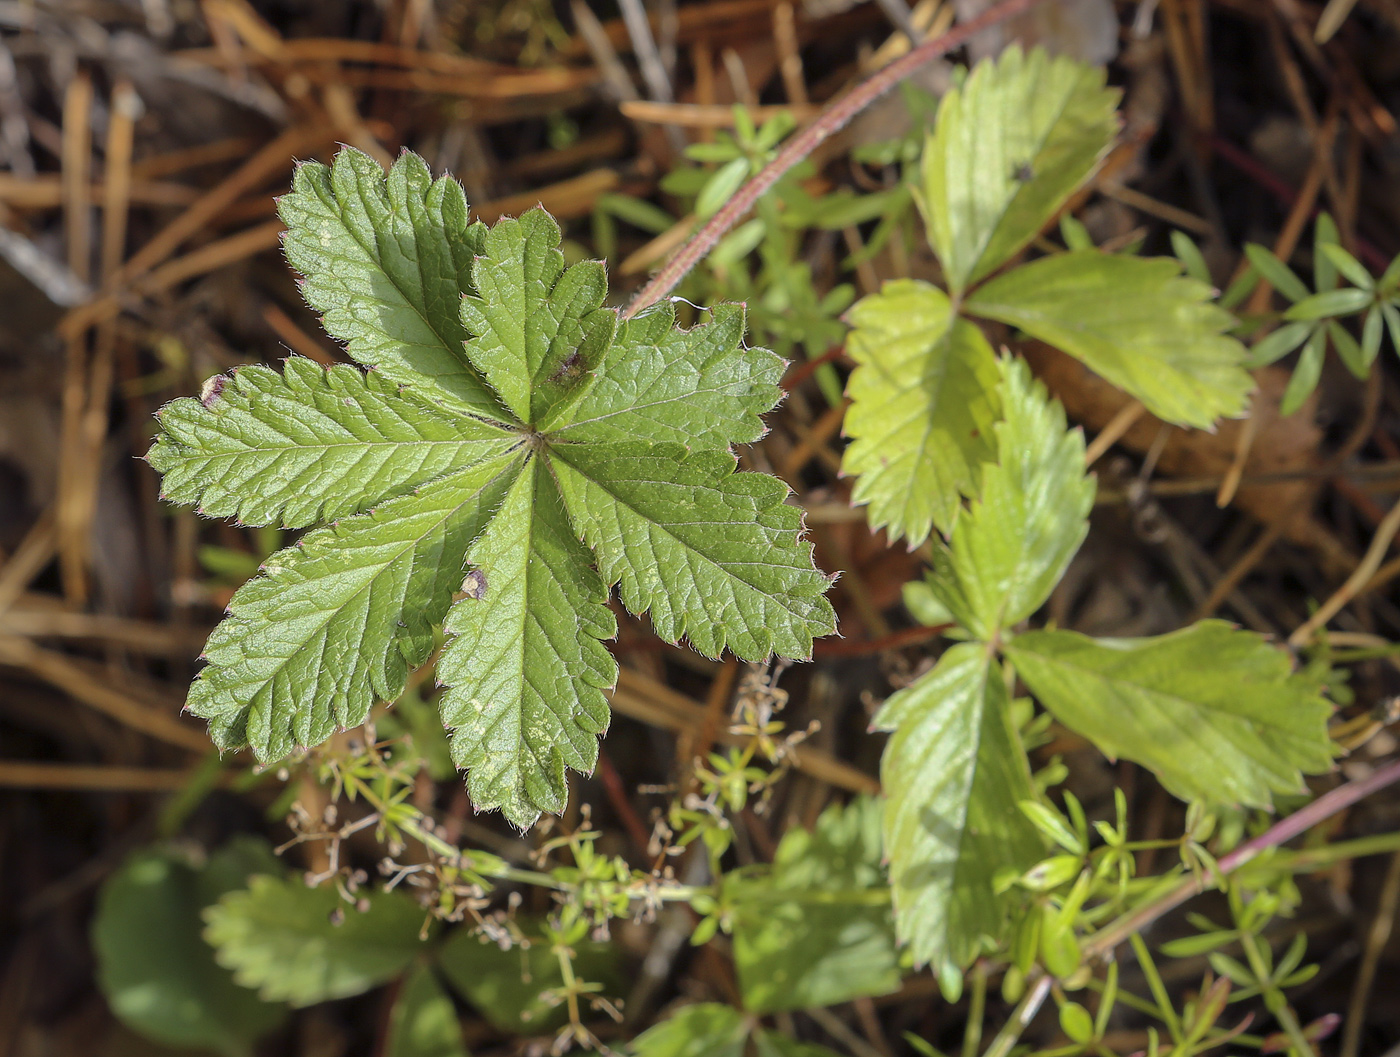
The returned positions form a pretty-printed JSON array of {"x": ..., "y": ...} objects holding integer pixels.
[
  {"x": 953, "y": 773},
  {"x": 923, "y": 403},
  {"x": 508, "y": 414},
  {"x": 1212, "y": 709},
  {"x": 307, "y": 945},
  {"x": 538, "y": 329},
  {"x": 1008, "y": 148},
  {"x": 309, "y": 444},
  {"x": 822, "y": 944},
  {"x": 710, "y": 554},
  {"x": 336, "y": 622},
  {"x": 1009, "y": 550},
  {"x": 1137, "y": 322},
  {"x": 387, "y": 261},
  {"x": 525, "y": 664}
]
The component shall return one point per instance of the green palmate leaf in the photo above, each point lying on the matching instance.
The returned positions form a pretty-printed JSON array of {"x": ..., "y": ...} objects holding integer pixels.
[
  {"x": 509, "y": 415},
  {"x": 953, "y": 774},
  {"x": 697, "y": 387},
  {"x": 309, "y": 444},
  {"x": 1010, "y": 550},
  {"x": 1134, "y": 320},
  {"x": 830, "y": 945},
  {"x": 1009, "y": 147},
  {"x": 423, "y": 1022},
  {"x": 706, "y": 1029},
  {"x": 511, "y": 988},
  {"x": 776, "y": 1044},
  {"x": 526, "y": 666},
  {"x": 307, "y": 945},
  {"x": 923, "y": 403},
  {"x": 539, "y": 329},
  {"x": 711, "y": 554},
  {"x": 387, "y": 261},
  {"x": 1213, "y": 710},
  {"x": 335, "y": 623},
  {"x": 709, "y": 1029},
  {"x": 159, "y": 977}
]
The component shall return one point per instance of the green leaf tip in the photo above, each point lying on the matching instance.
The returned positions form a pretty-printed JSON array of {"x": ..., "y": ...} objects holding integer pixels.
[{"x": 515, "y": 446}]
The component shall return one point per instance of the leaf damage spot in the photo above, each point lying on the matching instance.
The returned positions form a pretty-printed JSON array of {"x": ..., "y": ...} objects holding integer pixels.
[
  {"x": 474, "y": 585},
  {"x": 211, "y": 390}
]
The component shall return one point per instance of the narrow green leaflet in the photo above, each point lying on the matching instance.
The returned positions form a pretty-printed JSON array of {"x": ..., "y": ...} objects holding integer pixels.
[
  {"x": 157, "y": 974},
  {"x": 923, "y": 403},
  {"x": 538, "y": 329},
  {"x": 711, "y": 554},
  {"x": 309, "y": 444},
  {"x": 387, "y": 261},
  {"x": 1213, "y": 710},
  {"x": 1136, "y": 321},
  {"x": 508, "y": 415},
  {"x": 953, "y": 773},
  {"x": 307, "y": 945},
  {"x": 1010, "y": 550},
  {"x": 335, "y": 623},
  {"x": 526, "y": 664},
  {"x": 512, "y": 988},
  {"x": 424, "y": 1022},
  {"x": 817, "y": 929},
  {"x": 697, "y": 387},
  {"x": 1009, "y": 147}
]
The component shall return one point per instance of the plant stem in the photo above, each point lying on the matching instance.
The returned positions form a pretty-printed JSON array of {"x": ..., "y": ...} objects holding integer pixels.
[
  {"x": 834, "y": 118},
  {"x": 972, "y": 1035},
  {"x": 1324, "y": 807},
  {"x": 1021, "y": 1016}
]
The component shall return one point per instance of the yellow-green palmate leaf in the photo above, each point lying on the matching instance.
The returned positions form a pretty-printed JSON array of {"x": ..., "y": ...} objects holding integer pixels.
[
  {"x": 506, "y": 417},
  {"x": 1008, "y": 148},
  {"x": 923, "y": 403},
  {"x": 1007, "y": 553},
  {"x": 1137, "y": 322},
  {"x": 953, "y": 773},
  {"x": 1215, "y": 711}
]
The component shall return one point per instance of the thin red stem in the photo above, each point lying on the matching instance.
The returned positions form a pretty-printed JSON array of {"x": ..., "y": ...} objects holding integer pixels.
[{"x": 832, "y": 120}]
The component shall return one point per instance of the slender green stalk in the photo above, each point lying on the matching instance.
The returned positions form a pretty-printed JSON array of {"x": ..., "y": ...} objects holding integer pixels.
[
  {"x": 976, "y": 1014},
  {"x": 1020, "y": 1018}
]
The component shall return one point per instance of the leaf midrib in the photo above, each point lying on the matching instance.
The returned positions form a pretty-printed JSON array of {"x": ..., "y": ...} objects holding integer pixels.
[
  {"x": 468, "y": 368},
  {"x": 723, "y": 570},
  {"x": 1258, "y": 764},
  {"x": 981, "y": 250},
  {"x": 331, "y": 614}
]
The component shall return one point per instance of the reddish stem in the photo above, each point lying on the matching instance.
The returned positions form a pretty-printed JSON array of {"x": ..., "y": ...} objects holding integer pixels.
[
  {"x": 834, "y": 118},
  {"x": 1302, "y": 820}
]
